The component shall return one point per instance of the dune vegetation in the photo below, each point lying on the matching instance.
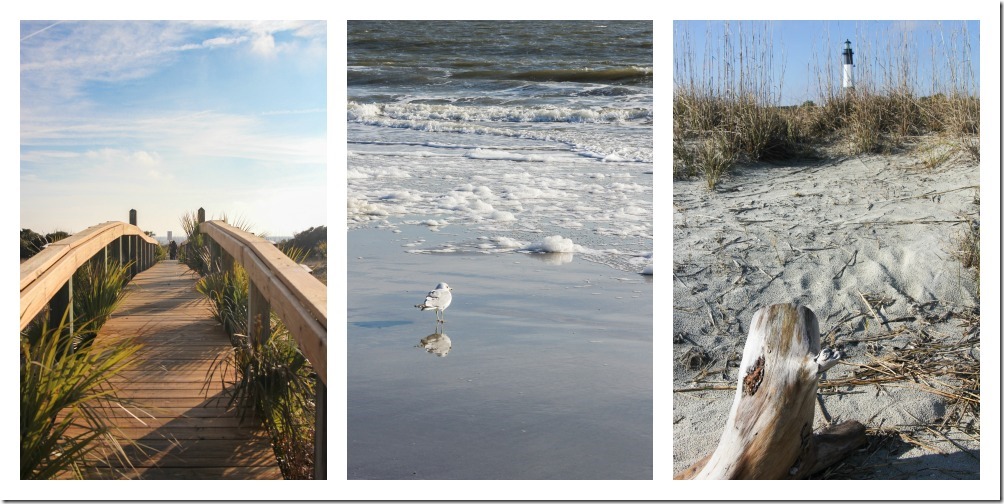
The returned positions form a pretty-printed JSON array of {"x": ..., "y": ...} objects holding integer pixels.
[
  {"x": 731, "y": 111},
  {"x": 66, "y": 380},
  {"x": 272, "y": 381}
]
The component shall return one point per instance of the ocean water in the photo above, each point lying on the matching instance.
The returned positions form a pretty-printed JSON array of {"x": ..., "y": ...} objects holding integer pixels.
[
  {"x": 535, "y": 134},
  {"x": 512, "y": 160}
]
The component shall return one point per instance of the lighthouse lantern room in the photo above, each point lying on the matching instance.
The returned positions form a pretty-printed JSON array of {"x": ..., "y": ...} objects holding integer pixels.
[{"x": 848, "y": 66}]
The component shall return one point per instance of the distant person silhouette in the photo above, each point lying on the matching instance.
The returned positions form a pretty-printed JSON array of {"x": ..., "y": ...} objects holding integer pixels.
[{"x": 173, "y": 247}]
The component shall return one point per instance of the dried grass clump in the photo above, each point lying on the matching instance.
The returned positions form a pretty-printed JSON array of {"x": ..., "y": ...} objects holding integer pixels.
[
  {"x": 930, "y": 364},
  {"x": 967, "y": 250},
  {"x": 734, "y": 92},
  {"x": 949, "y": 370}
]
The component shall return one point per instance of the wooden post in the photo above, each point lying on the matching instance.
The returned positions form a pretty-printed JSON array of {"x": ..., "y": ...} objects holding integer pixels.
[
  {"x": 131, "y": 254},
  {"x": 259, "y": 316},
  {"x": 769, "y": 433},
  {"x": 320, "y": 430},
  {"x": 62, "y": 304},
  {"x": 215, "y": 262},
  {"x": 97, "y": 261},
  {"x": 134, "y": 254},
  {"x": 226, "y": 261}
]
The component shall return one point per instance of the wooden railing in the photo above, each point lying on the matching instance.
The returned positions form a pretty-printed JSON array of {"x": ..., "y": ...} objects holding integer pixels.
[
  {"x": 47, "y": 277},
  {"x": 277, "y": 283}
]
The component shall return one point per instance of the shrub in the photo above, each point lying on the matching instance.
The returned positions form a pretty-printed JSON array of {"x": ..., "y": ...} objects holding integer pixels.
[{"x": 62, "y": 389}]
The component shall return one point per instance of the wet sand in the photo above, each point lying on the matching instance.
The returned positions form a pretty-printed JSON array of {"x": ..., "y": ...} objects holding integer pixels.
[{"x": 548, "y": 373}]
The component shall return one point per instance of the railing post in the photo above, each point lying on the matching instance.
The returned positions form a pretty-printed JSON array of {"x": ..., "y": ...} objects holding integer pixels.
[
  {"x": 320, "y": 430},
  {"x": 214, "y": 254},
  {"x": 226, "y": 262},
  {"x": 259, "y": 315},
  {"x": 134, "y": 255},
  {"x": 60, "y": 304}
]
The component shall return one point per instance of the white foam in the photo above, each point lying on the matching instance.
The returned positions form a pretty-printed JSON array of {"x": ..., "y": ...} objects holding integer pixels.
[
  {"x": 402, "y": 196},
  {"x": 480, "y": 153},
  {"x": 504, "y": 242},
  {"x": 554, "y": 243},
  {"x": 362, "y": 210},
  {"x": 581, "y": 204}
]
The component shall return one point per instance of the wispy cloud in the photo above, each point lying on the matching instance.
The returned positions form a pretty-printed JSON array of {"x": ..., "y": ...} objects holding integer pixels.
[
  {"x": 167, "y": 115},
  {"x": 204, "y": 134},
  {"x": 59, "y": 59}
]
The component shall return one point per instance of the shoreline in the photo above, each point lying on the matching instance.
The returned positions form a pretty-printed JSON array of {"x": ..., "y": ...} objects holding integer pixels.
[{"x": 547, "y": 373}]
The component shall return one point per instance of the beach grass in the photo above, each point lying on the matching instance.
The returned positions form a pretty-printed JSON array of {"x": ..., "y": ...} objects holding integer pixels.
[
  {"x": 273, "y": 382},
  {"x": 63, "y": 388},
  {"x": 732, "y": 109}
]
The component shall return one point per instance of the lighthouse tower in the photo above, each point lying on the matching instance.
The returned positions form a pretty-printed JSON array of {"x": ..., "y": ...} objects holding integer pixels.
[{"x": 848, "y": 66}]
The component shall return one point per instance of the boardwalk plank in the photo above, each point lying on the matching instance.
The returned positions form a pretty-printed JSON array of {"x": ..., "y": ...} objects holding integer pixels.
[{"x": 192, "y": 433}]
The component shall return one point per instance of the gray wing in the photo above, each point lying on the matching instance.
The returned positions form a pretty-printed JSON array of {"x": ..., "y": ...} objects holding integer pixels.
[{"x": 438, "y": 298}]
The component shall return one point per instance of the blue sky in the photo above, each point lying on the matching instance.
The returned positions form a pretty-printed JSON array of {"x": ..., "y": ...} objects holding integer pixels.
[
  {"x": 804, "y": 51},
  {"x": 165, "y": 117}
]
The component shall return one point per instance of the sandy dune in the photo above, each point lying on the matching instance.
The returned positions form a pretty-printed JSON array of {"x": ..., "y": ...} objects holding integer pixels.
[{"x": 866, "y": 242}]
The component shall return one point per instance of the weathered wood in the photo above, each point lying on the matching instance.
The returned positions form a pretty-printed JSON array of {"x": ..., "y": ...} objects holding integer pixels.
[
  {"x": 184, "y": 473},
  {"x": 173, "y": 422},
  {"x": 61, "y": 307},
  {"x": 299, "y": 299},
  {"x": 320, "y": 430},
  {"x": 277, "y": 283},
  {"x": 833, "y": 444},
  {"x": 769, "y": 434},
  {"x": 259, "y": 315},
  {"x": 45, "y": 273}
]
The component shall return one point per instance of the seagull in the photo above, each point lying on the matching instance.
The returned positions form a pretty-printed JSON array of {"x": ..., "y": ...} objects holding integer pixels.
[{"x": 438, "y": 299}]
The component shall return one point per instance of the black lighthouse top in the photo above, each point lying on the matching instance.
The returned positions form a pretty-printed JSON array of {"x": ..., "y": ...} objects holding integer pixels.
[{"x": 848, "y": 53}]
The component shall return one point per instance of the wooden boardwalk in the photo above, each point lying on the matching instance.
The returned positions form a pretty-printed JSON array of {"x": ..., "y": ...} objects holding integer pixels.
[{"x": 180, "y": 429}]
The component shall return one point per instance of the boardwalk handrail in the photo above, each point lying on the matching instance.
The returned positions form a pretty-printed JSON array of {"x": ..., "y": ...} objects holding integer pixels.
[
  {"x": 300, "y": 300},
  {"x": 276, "y": 282},
  {"x": 49, "y": 271}
]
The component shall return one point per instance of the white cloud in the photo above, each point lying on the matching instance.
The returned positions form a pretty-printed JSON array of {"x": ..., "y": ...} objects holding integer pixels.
[
  {"x": 59, "y": 60},
  {"x": 264, "y": 45},
  {"x": 223, "y": 41}
]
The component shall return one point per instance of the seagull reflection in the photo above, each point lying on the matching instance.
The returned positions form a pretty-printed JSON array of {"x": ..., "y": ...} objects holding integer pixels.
[{"x": 436, "y": 343}]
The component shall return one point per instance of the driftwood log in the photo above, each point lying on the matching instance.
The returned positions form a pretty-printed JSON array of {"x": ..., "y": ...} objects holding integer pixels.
[{"x": 769, "y": 432}]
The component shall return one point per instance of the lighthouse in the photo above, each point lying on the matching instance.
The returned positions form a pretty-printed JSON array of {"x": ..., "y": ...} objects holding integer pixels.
[{"x": 848, "y": 66}]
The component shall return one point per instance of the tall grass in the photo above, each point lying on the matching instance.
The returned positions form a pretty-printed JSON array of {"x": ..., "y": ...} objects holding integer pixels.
[
  {"x": 270, "y": 381},
  {"x": 63, "y": 388},
  {"x": 727, "y": 104},
  {"x": 97, "y": 292},
  {"x": 967, "y": 249},
  {"x": 273, "y": 380},
  {"x": 65, "y": 380},
  {"x": 195, "y": 252}
]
